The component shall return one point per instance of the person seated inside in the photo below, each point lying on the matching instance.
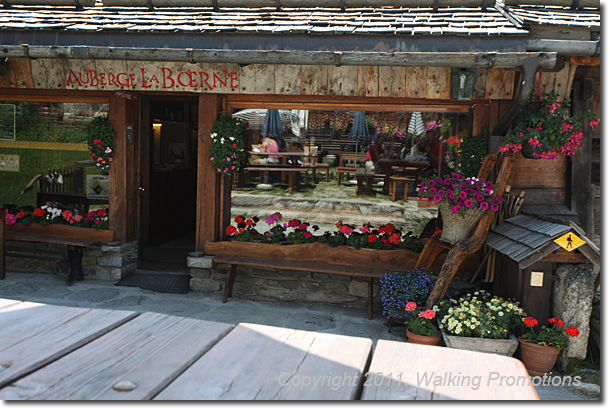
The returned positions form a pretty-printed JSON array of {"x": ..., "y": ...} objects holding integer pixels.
[
  {"x": 373, "y": 154},
  {"x": 270, "y": 146}
]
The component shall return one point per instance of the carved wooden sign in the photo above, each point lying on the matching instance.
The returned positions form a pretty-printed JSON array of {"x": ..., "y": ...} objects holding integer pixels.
[{"x": 267, "y": 79}]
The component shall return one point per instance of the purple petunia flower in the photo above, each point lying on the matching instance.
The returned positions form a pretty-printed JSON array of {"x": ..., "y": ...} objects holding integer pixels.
[
  {"x": 438, "y": 198},
  {"x": 456, "y": 209},
  {"x": 484, "y": 205},
  {"x": 494, "y": 207},
  {"x": 468, "y": 203}
]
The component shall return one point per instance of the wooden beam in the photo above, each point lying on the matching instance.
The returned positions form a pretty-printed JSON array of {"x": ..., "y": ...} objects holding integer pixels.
[
  {"x": 53, "y": 146},
  {"x": 563, "y": 256},
  {"x": 593, "y": 256},
  {"x": 208, "y": 181},
  {"x": 305, "y": 57},
  {"x": 582, "y": 190},
  {"x": 83, "y": 96},
  {"x": 123, "y": 203}
]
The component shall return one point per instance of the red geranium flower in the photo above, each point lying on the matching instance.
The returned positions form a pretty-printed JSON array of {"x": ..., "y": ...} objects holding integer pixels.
[
  {"x": 572, "y": 331},
  {"x": 39, "y": 212},
  {"x": 231, "y": 230},
  {"x": 410, "y": 306},
  {"x": 249, "y": 222},
  {"x": 239, "y": 220},
  {"x": 372, "y": 238},
  {"x": 394, "y": 239},
  {"x": 530, "y": 322},
  {"x": 557, "y": 322}
]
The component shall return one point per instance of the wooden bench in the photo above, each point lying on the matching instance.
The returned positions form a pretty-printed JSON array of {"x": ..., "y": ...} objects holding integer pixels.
[
  {"x": 311, "y": 257},
  {"x": 54, "y": 234}
]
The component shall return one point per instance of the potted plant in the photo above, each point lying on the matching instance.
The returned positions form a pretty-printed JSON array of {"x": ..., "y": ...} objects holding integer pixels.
[
  {"x": 549, "y": 131},
  {"x": 420, "y": 329},
  {"x": 461, "y": 201},
  {"x": 398, "y": 288},
  {"x": 539, "y": 351},
  {"x": 481, "y": 322}
]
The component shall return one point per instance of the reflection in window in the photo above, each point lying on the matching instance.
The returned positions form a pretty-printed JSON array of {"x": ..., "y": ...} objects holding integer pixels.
[
  {"x": 336, "y": 143},
  {"x": 44, "y": 157}
]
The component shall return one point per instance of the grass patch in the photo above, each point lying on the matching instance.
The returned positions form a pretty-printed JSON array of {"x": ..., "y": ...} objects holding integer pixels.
[{"x": 588, "y": 370}]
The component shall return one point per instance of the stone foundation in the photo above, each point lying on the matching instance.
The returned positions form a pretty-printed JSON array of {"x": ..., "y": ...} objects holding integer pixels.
[
  {"x": 275, "y": 284},
  {"x": 111, "y": 261}
]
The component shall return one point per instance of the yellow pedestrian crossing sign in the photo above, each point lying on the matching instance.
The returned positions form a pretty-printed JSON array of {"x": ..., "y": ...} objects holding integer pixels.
[{"x": 569, "y": 241}]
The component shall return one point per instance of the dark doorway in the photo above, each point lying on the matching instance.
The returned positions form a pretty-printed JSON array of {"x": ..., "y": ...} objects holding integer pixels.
[{"x": 169, "y": 173}]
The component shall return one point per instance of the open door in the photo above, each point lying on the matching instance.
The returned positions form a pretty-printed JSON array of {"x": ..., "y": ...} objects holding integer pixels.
[{"x": 169, "y": 181}]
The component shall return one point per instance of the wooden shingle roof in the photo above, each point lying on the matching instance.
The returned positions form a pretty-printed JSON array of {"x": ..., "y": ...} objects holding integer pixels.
[
  {"x": 527, "y": 239},
  {"x": 554, "y": 16},
  {"x": 369, "y": 20}
]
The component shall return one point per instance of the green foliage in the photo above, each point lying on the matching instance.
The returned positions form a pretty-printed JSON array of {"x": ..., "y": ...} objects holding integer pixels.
[
  {"x": 227, "y": 151},
  {"x": 100, "y": 138},
  {"x": 474, "y": 151},
  {"x": 421, "y": 326},
  {"x": 480, "y": 315}
]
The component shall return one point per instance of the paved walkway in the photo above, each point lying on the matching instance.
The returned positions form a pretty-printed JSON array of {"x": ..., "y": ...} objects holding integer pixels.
[{"x": 50, "y": 289}]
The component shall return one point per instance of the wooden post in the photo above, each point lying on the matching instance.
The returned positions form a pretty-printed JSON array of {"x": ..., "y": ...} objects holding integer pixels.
[
  {"x": 208, "y": 181},
  {"x": 2, "y": 243},
  {"x": 124, "y": 204},
  {"x": 582, "y": 190}
]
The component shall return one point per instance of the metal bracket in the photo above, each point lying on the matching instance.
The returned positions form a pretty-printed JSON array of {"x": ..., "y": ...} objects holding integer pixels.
[
  {"x": 342, "y": 5},
  {"x": 435, "y": 6},
  {"x": 484, "y": 6},
  {"x": 278, "y": 6},
  {"x": 5, "y": 4},
  {"x": 190, "y": 53},
  {"x": 492, "y": 60},
  {"x": 215, "y": 5},
  {"x": 150, "y": 5},
  {"x": 26, "y": 51},
  {"x": 338, "y": 55},
  {"x": 575, "y": 4}
]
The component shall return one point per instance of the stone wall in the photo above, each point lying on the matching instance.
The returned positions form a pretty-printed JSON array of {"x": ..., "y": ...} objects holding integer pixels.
[
  {"x": 252, "y": 282},
  {"x": 111, "y": 261}
]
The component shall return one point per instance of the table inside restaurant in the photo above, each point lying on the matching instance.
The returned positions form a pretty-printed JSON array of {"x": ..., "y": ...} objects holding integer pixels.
[
  {"x": 69, "y": 353},
  {"x": 410, "y": 168}
]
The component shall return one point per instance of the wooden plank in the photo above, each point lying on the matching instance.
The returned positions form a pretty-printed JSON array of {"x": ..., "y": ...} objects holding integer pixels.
[
  {"x": 416, "y": 372},
  {"x": 19, "y": 74},
  {"x": 2, "y": 243},
  {"x": 481, "y": 118},
  {"x": 62, "y": 231},
  {"x": 500, "y": 84},
  {"x": 399, "y": 259},
  {"x": 287, "y": 355},
  {"x": 208, "y": 181},
  {"x": 53, "y": 146},
  {"x": 149, "y": 351},
  {"x": 368, "y": 81},
  {"x": 288, "y": 79},
  {"x": 563, "y": 256},
  {"x": 4, "y": 303},
  {"x": 343, "y": 80},
  {"x": 416, "y": 83},
  {"x": 314, "y": 80},
  {"x": 392, "y": 81},
  {"x": 51, "y": 239},
  {"x": 438, "y": 83},
  {"x": 480, "y": 81},
  {"x": 256, "y": 79},
  {"x": 38, "y": 334}
]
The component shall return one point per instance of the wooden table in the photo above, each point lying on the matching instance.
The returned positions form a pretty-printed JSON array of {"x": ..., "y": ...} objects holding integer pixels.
[
  {"x": 413, "y": 168},
  {"x": 66, "y": 353}
]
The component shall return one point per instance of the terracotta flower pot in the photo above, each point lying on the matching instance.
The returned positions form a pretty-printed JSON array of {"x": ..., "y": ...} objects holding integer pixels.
[
  {"x": 538, "y": 359},
  {"x": 424, "y": 340}
]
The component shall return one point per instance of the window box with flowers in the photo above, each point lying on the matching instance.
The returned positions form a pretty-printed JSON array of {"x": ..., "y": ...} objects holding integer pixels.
[
  {"x": 480, "y": 322},
  {"x": 365, "y": 246},
  {"x": 49, "y": 221},
  {"x": 549, "y": 131}
]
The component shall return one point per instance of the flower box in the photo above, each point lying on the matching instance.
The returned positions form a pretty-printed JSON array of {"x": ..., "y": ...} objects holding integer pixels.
[
  {"x": 397, "y": 259},
  {"x": 102, "y": 235},
  {"x": 503, "y": 347}
]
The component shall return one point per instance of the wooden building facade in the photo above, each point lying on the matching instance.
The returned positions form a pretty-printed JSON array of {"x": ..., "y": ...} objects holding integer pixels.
[{"x": 192, "y": 60}]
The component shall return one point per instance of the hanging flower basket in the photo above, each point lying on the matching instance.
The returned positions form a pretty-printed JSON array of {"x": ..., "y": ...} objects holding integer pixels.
[
  {"x": 101, "y": 142},
  {"x": 456, "y": 227}
]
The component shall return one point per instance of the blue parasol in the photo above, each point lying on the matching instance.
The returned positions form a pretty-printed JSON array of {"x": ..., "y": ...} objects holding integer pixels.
[
  {"x": 272, "y": 127},
  {"x": 360, "y": 129}
]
